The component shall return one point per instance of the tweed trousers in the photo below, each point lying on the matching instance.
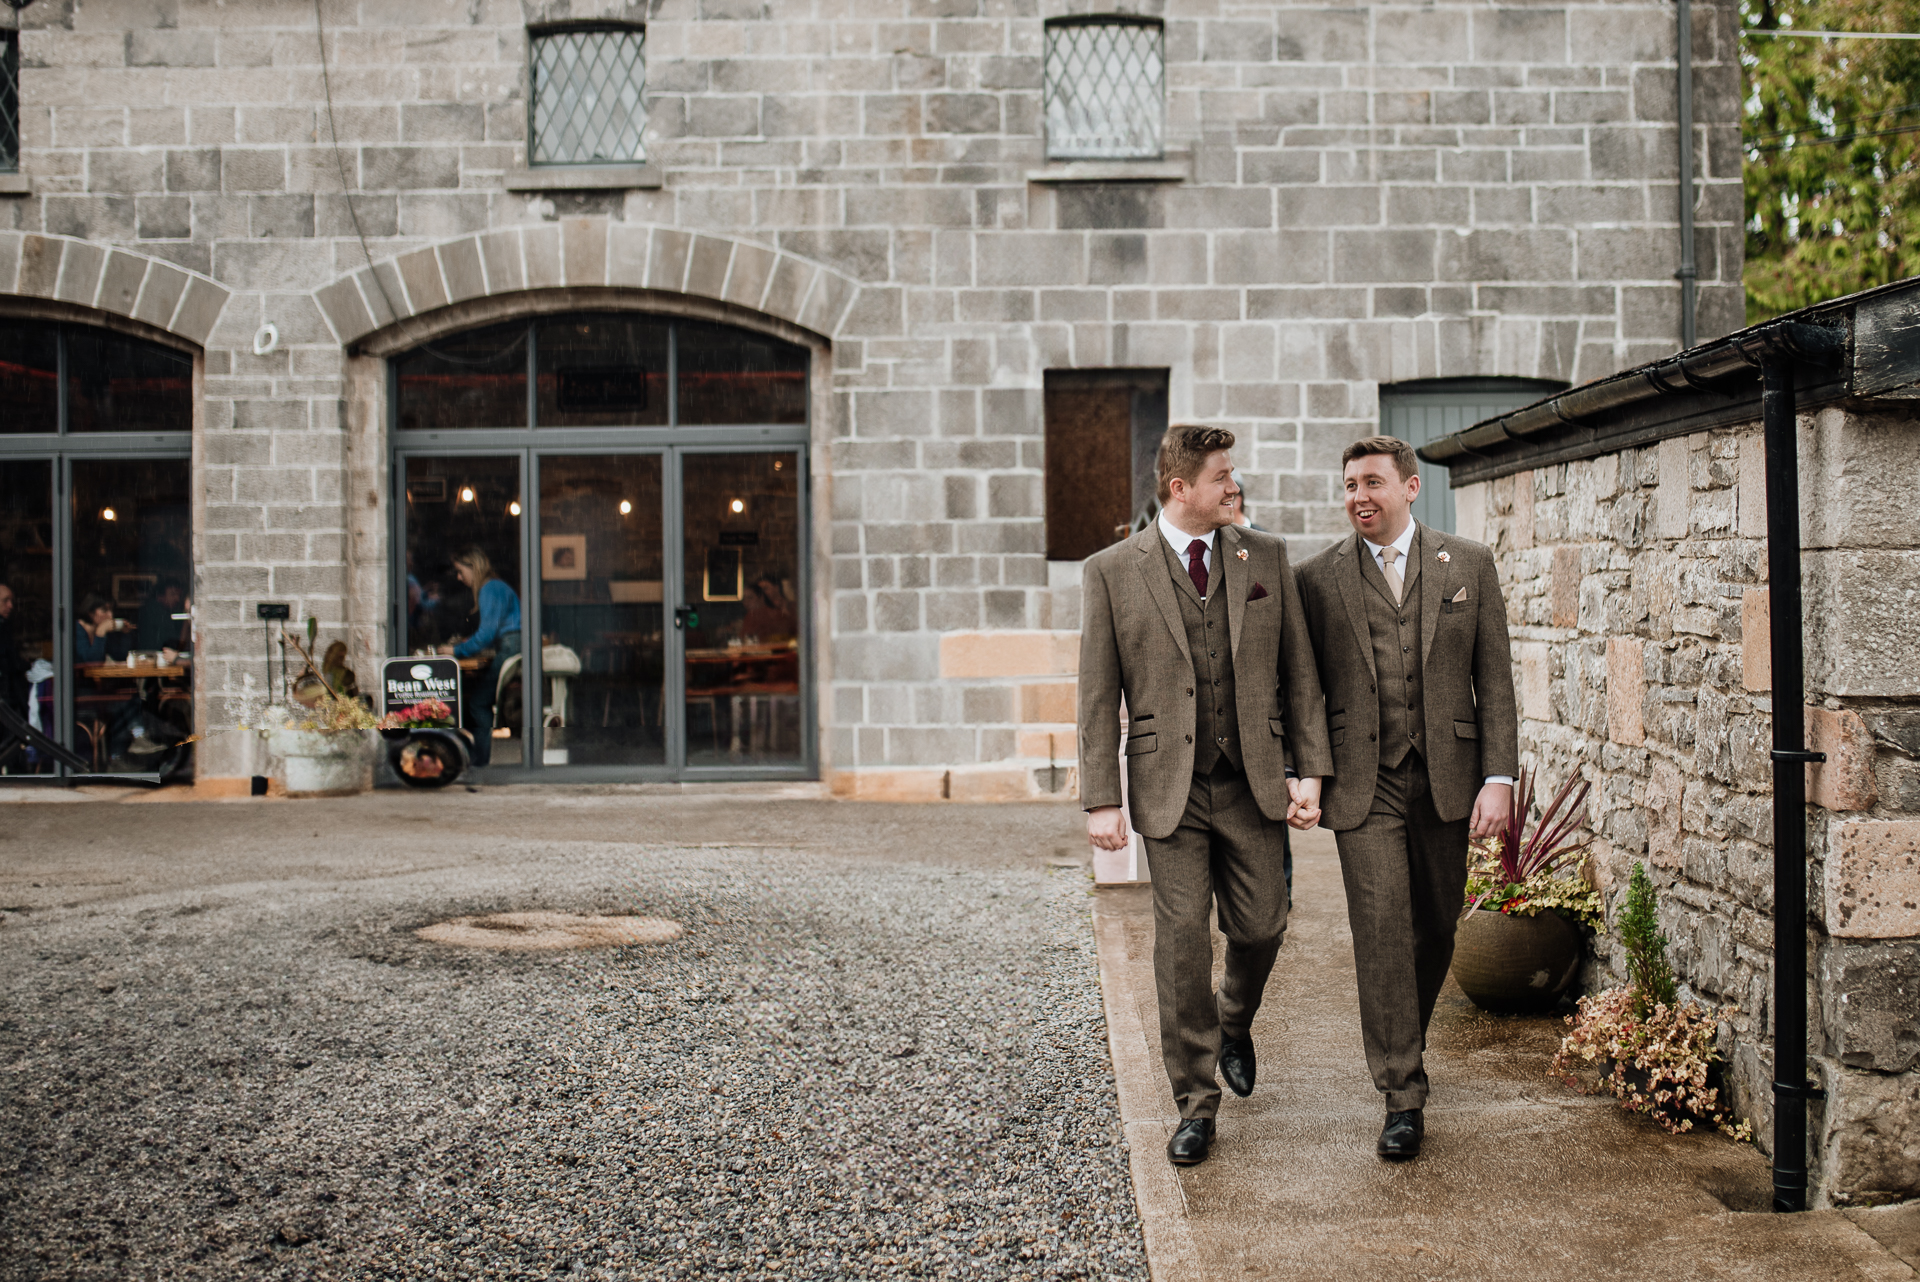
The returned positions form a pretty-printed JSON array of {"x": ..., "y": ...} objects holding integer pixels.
[
  {"x": 1224, "y": 855},
  {"x": 1406, "y": 877}
]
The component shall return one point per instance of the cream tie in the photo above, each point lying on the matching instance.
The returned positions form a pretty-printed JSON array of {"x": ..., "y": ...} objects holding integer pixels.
[{"x": 1390, "y": 555}]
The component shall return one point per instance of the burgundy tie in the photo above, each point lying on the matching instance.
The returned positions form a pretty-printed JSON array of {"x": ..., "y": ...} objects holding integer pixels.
[{"x": 1197, "y": 566}]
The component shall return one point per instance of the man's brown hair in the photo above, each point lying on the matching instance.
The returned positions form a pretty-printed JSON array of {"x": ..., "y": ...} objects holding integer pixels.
[
  {"x": 1183, "y": 452},
  {"x": 1404, "y": 460}
]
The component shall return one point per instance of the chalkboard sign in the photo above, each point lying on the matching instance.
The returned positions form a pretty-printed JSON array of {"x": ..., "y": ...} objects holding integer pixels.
[{"x": 408, "y": 683}]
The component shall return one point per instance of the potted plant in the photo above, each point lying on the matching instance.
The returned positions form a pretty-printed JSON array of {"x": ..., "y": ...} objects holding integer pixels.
[
  {"x": 1520, "y": 935},
  {"x": 1640, "y": 1041},
  {"x": 326, "y": 740}
]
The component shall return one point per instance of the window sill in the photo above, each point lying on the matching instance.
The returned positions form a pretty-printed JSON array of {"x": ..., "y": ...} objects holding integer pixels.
[
  {"x": 15, "y": 185},
  {"x": 584, "y": 178},
  {"x": 1111, "y": 171}
]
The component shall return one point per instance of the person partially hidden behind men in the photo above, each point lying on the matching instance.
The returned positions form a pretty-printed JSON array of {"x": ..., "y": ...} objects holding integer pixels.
[
  {"x": 1197, "y": 623},
  {"x": 1410, "y": 633}
]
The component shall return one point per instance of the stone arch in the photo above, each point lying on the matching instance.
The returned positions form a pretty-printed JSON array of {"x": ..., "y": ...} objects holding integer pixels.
[
  {"x": 108, "y": 278},
  {"x": 587, "y": 253}
]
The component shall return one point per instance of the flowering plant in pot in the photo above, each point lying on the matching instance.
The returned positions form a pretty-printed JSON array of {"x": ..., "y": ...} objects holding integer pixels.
[
  {"x": 326, "y": 740},
  {"x": 1641, "y": 1041},
  {"x": 1520, "y": 934}
]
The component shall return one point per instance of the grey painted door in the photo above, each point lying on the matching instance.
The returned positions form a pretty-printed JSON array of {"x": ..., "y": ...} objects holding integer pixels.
[{"x": 1428, "y": 410}]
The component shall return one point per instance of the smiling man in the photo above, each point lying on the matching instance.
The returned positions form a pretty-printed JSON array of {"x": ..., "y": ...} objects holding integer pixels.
[
  {"x": 1196, "y": 623},
  {"x": 1410, "y": 634}
]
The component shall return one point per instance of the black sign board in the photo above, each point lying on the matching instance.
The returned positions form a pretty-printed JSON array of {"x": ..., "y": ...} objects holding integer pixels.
[
  {"x": 408, "y": 682},
  {"x": 274, "y": 610}
]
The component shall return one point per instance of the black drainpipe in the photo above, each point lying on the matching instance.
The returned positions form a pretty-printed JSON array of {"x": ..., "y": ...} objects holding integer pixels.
[
  {"x": 1689, "y": 270},
  {"x": 1791, "y": 1087}
]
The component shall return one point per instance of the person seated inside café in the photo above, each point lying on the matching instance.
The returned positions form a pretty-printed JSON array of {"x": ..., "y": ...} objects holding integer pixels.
[
  {"x": 769, "y": 619},
  {"x": 499, "y": 632},
  {"x": 100, "y": 637},
  {"x": 14, "y": 690},
  {"x": 158, "y": 629}
]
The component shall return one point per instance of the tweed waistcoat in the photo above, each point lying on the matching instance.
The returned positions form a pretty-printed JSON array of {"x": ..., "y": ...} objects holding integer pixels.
[
  {"x": 1216, "y": 728},
  {"x": 1395, "y": 630}
]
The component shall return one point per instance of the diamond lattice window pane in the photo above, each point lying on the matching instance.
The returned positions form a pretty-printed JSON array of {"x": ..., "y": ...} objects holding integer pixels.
[
  {"x": 9, "y": 100},
  {"x": 1105, "y": 90},
  {"x": 587, "y": 106}
]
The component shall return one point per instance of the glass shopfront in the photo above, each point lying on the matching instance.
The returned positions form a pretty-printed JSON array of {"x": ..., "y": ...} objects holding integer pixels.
[
  {"x": 96, "y": 643},
  {"x": 637, "y": 485}
]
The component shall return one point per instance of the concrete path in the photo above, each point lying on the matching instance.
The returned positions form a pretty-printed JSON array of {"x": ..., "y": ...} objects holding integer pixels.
[{"x": 1521, "y": 1177}]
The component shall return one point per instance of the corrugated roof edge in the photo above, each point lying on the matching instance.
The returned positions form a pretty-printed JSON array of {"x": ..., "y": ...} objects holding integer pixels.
[{"x": 1708, "y": 385}]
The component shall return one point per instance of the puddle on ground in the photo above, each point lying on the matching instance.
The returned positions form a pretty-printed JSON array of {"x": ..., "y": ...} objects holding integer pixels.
[{"x": 545, "y": 931}]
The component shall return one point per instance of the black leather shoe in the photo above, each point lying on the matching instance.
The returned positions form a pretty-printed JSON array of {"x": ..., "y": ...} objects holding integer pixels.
[
  {"x": 1188, "y": 1147},
  {"x": 1400, "y": 1139},
  {"x": 1236, "y": 1064}
]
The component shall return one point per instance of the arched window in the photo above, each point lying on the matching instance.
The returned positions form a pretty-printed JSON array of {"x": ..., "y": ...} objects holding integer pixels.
[
  {"x": 96, "y": 544},
  {"x": 601, "y": 369},
  {"x": 60, "y": 379}
]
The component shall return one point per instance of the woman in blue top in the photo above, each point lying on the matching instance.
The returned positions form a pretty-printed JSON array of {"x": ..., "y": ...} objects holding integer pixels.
[{"x": 499, "y": 631}]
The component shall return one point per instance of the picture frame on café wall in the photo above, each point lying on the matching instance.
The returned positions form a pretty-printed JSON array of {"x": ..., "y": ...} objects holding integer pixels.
[
  {"x": 563, "y": 556},
  {"x": 133, "y": 589},
  {"x": 725, "y": 577}
]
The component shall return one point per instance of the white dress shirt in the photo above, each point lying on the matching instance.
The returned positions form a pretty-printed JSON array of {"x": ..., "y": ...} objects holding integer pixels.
[
  {"x": 1404, "y": 543},
  {"x": 1179, "y": 540}
]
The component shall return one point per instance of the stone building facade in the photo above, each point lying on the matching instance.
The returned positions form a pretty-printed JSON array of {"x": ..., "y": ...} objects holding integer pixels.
[
  {"x": 1637, "y": 567},
  {"x": 1345, "y": 200}
]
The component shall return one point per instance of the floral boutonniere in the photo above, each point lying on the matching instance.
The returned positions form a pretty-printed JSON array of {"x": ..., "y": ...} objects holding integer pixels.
[
  {"x": 1242, "y": 554},
  {"x": 1445, "y": 555}
]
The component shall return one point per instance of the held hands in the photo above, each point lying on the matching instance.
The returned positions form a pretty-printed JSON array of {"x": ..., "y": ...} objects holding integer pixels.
[
  {"x": 1107, "y": 827},
  {"x": 1303, "y": 802},
  {"x": 1490, "y": 809}
]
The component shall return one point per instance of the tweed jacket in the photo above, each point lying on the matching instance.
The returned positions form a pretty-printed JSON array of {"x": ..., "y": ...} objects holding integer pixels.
[
  {"x": 1134, "y": 643},
  {"x": 1466, "y": 674}
]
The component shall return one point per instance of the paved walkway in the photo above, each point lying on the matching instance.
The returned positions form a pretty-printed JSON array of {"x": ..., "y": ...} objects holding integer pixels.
[{"x": 1521, "y": 1177}]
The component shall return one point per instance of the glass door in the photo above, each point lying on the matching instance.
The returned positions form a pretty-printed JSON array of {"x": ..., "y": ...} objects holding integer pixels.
[
  {"x": 132, "y": 639},
  {"x": 739, "y": 612},
  {"x": 602, "y": 593},
  {"x": 463, "y": 587},
  {"x": 27, "y": 604}
]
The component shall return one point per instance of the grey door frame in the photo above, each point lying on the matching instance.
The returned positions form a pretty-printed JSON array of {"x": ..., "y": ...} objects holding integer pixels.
[
  {"x": 60, "y": 451},
  {"x": 1494, "y": 394},
  {"x": 529, "y": 445}
]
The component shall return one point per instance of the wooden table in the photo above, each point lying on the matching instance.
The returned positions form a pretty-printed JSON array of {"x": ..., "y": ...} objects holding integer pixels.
[
  {"x": 121, "y": 672},
  {"x": 756, "y": 675}
]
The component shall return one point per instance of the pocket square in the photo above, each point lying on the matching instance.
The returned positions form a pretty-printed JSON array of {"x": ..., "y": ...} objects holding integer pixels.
[
  {"x": 1461, "y": 595},
  {"x": 1257, "y": 593}
]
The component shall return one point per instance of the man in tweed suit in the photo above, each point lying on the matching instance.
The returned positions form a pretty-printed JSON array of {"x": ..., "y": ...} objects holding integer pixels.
[
  {"x": 1197, "y": 624},
  {"x": 1410, "y": 633}
]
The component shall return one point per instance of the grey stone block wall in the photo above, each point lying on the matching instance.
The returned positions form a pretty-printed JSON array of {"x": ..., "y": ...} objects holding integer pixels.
[
  {"x": 1350, "y": 197},
  {"x": 1636, "y": 589}
]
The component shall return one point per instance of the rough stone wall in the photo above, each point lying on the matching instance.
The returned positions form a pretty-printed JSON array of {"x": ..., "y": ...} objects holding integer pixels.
[
  {"x": 1351, "y": 197},
  {"x": 1636, "y": 591}
]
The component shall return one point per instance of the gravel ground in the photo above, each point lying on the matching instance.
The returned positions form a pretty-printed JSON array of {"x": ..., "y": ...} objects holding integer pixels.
[{"x": 849, "y": 1066}]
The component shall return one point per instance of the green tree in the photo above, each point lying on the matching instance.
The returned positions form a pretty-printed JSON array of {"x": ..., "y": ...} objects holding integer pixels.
[
  {"x": 1649, "y": 973},
  {"x": 1831, "y": 130}
]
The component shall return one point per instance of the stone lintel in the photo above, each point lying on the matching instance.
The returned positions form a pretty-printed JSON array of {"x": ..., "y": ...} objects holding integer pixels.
[
  {"x": 644, "y": 177},
  {"x": 1112, "y": 171}
]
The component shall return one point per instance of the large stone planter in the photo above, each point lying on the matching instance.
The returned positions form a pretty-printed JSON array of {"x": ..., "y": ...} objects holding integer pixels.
[
  {"x": 325, "y": 763},
  {"x": 1515, "y": 965}
]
